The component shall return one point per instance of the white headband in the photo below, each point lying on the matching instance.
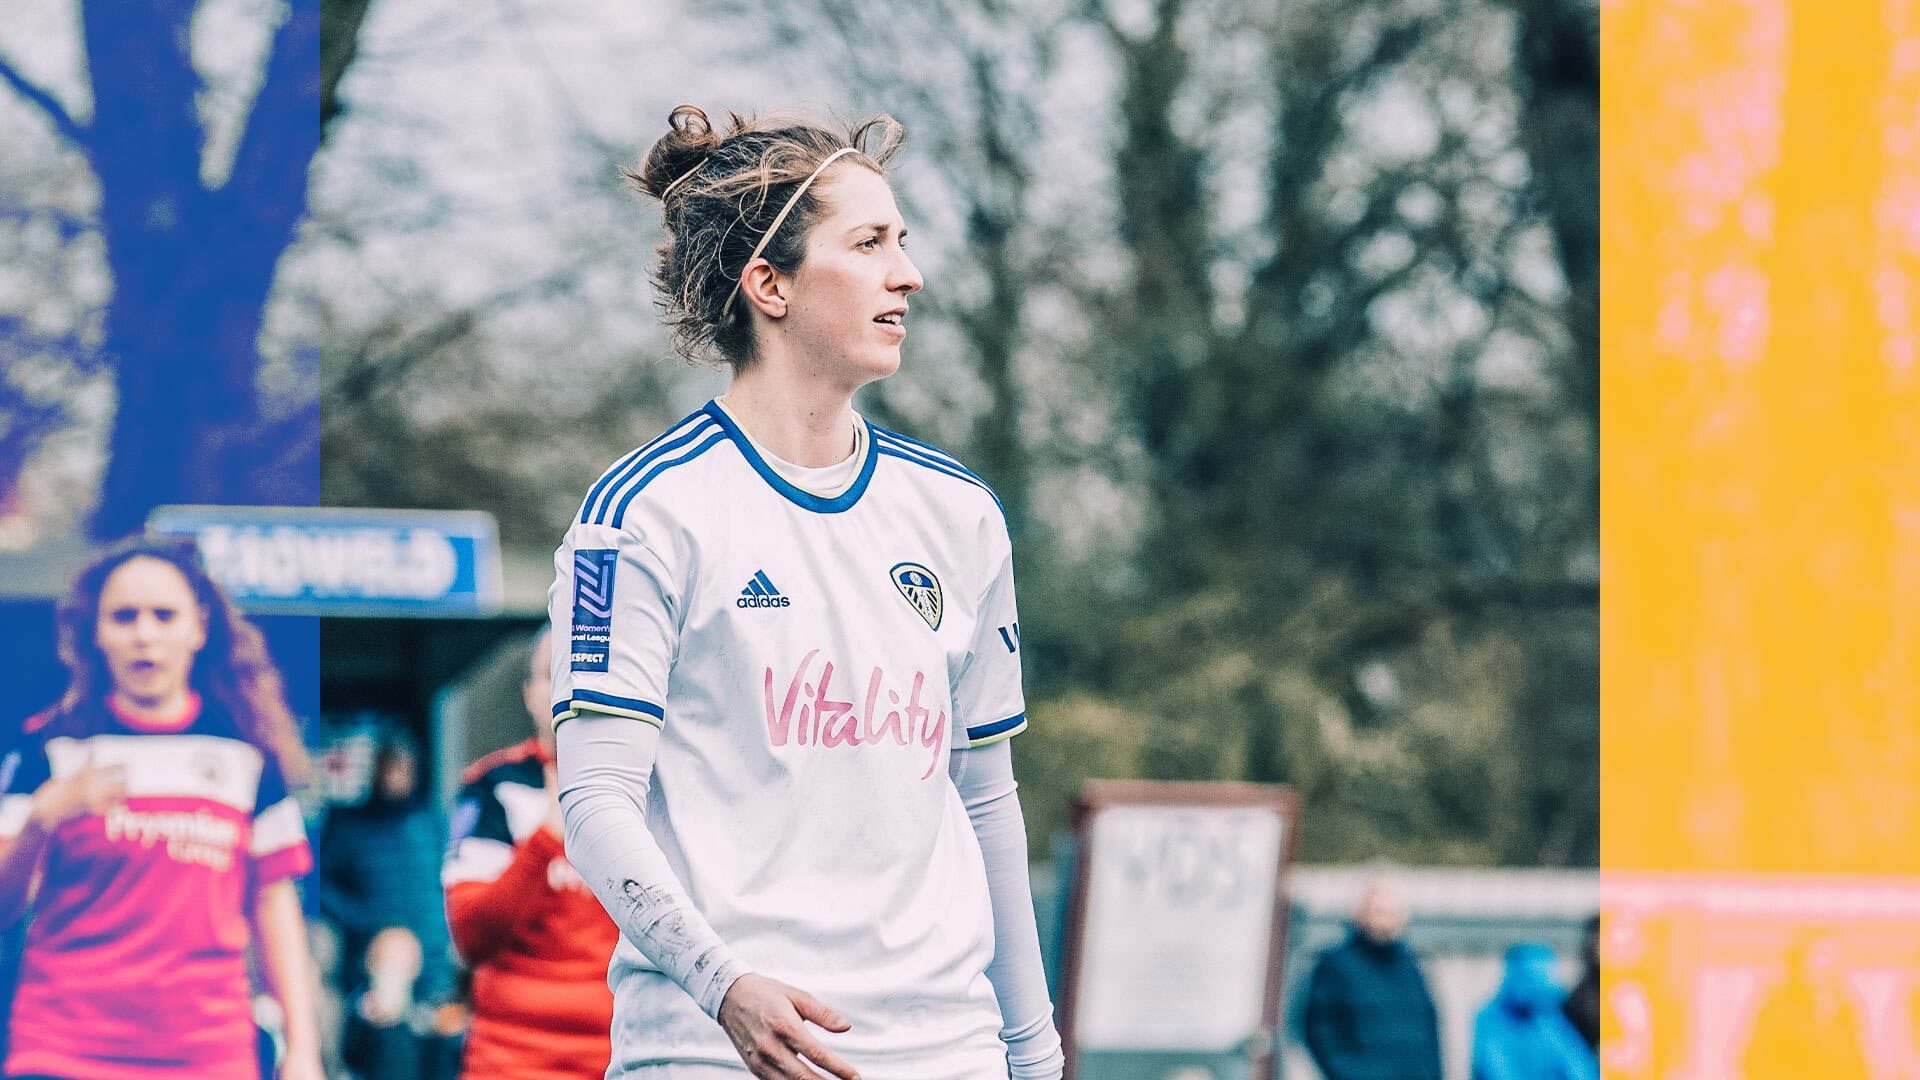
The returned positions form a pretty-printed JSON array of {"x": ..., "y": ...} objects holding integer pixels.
[{"x": 780, "y": 219}]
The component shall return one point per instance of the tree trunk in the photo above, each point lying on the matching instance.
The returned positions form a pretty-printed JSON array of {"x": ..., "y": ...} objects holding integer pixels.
[{"x": 192, "y": 267}]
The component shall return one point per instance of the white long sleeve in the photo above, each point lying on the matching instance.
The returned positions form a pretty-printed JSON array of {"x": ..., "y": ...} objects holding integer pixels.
[
  {"x": 984, "y": 778},
  {"x": 605, "y": 767}
]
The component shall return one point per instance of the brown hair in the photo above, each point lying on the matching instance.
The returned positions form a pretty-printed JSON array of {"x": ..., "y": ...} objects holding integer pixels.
[
  {"x": 233, "y": 668},
  {"x": 720, "y": 193}
]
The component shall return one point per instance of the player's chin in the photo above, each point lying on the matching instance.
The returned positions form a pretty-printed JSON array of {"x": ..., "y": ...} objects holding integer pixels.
[{"x": 882, "y": 362}]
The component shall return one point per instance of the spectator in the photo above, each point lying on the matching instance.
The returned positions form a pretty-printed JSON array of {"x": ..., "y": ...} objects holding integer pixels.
[
  {"x": 1583, "y": 1001},
  {"x": 380, "y": 868},
  {"x": 1368, "y": 1014},
  {"x": 536, "y": 939},
  {"x": 1522, "y": 1034}
]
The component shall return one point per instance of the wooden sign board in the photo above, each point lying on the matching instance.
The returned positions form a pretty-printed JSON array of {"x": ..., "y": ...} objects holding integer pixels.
[{"x": 1176, "y": 928}]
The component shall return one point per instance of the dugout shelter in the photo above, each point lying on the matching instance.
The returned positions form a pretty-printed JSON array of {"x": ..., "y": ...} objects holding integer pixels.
[{"x": 402, "y": 608}]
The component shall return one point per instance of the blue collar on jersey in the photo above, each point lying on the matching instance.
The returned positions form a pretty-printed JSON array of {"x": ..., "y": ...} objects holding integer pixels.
[{"x": 800, "y": 496}]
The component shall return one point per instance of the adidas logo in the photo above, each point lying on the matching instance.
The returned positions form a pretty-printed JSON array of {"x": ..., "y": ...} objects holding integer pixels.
[{"x": 761, "y": 593}]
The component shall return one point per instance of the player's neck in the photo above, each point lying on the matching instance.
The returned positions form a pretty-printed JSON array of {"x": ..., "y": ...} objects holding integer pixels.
[
  {"x": 174, "y": 708},
  {"x": 798, "y": 421}
]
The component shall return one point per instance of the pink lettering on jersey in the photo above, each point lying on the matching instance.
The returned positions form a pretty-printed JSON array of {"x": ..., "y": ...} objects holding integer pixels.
[
  {"x": 808, "y": 714},
  {"x": 826, "y": 712},
  {"x": 893, "y": 720},
  {"x": 777, "y": 728},
  {"x": 196, "y": 837}
]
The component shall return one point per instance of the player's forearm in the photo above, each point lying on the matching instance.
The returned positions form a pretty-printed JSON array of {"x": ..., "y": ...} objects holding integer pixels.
[
  {"x": 283, "y": 947},
  {"x": 987, "y": 789},
  {"x": 1019, "y": 978},
  {"x": 605, "y": 766},
  {"x": 483, "y": 915}
]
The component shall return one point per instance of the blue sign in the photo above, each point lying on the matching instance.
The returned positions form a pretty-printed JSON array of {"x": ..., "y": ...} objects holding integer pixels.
[{"x": 322, "y": 560}]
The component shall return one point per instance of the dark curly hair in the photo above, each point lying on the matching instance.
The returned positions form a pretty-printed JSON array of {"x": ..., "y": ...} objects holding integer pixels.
[
  {"x": 232, "y": 669},
  {"x": 719, "y": 193}
]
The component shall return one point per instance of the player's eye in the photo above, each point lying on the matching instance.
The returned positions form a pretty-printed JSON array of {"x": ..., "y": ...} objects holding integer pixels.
[
  {"x": 871, "y": 243},
  {"x": 164, "y": 614},
  {"x": 125, "y": 616}
]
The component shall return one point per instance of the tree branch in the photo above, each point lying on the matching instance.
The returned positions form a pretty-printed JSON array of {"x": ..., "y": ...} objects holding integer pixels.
[
  {"x": 339, "y": 44},
  {"x": 270, "y": 166},
  {"x": 62, "y": 120}
]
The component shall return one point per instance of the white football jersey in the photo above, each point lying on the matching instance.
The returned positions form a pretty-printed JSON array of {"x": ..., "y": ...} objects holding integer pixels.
[{"x": 811, "y": 662}]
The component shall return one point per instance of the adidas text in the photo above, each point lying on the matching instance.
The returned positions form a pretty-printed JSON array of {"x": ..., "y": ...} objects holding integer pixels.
[{"x": 762, "y": 601}]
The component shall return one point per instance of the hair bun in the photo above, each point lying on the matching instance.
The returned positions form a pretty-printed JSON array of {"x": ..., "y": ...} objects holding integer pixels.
[{"x": 689, "y": 139}]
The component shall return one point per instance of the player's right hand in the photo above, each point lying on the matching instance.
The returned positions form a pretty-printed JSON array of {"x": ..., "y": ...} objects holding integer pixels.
[
  {"x": 90, "y": 789},
  {"x": 767, "y": 1021}
]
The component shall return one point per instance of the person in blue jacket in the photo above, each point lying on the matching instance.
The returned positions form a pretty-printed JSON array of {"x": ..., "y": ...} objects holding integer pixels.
[
  {"x": 1522, "y": 1034},
  {"x": 379, "y": 868}
]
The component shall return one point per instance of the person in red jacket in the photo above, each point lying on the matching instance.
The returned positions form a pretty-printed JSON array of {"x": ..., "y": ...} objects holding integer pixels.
[{"x": 535, "y": 938}]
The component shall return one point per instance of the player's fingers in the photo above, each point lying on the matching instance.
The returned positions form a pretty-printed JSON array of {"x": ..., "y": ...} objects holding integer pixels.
[
  {"x": 824, "y": 1058},
  {"x": 773, "y": 1059},
  {"x": 101, "y": 802},
  {"x": 112, "y": 778},
  {"x": 812, "y": 1008},
  {"x": 106, "y": 786},
  {"x": 83, "y": 777}
]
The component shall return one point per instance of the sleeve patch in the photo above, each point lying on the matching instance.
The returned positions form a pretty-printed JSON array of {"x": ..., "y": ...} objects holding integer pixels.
[{"x": 593, "y": 577}]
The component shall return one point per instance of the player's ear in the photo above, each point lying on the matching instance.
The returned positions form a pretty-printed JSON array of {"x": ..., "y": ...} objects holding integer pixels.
[{"x": 766, "y": 288}]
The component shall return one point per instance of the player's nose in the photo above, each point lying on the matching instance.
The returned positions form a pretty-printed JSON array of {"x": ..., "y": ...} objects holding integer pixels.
[{"x": 905, "y": 279}]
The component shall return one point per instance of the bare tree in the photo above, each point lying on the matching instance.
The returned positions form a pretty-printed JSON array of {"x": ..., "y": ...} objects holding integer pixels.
[{"x": 192, "y": 250}]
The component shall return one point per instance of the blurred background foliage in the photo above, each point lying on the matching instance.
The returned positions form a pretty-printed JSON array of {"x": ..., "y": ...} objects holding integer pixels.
[
  {"x": 154, "y": 173},
  {"x": 1274, "y": 324}
]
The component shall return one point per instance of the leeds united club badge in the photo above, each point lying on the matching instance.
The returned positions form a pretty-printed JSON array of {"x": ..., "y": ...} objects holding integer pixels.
[{"x": 921, "y": 589}]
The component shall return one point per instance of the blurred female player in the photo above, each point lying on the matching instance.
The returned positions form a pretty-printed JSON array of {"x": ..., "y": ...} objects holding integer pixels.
[
  {"x": 787, "y": 663},
  {"x": 148, "y": 811}
]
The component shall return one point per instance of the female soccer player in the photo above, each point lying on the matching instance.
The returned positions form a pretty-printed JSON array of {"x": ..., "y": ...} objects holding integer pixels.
[
  {"x": 787, "y": 663},
  {"x": 148, "y": 811}
]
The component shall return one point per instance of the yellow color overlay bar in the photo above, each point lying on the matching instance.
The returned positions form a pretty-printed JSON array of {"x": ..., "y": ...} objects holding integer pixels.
[{"x": 1760, "y": 496}]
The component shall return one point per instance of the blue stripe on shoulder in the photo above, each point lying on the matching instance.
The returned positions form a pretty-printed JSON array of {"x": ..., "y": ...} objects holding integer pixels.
[
  {"x": 928, "y": 449},
  {"x": 945, "y": 470},
  {"x": 623, "y": 469},
  {"x": 925, "y": 461},
  {"x": 614, "y": 470},
  {"x": 713, "y": 440},
  {"x": 639, "y": 465}
]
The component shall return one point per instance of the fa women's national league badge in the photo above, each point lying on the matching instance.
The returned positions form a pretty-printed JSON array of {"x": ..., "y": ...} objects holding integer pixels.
[
  {"x": 921, "y": 589},
  {"x": 593, "y": 607}
]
